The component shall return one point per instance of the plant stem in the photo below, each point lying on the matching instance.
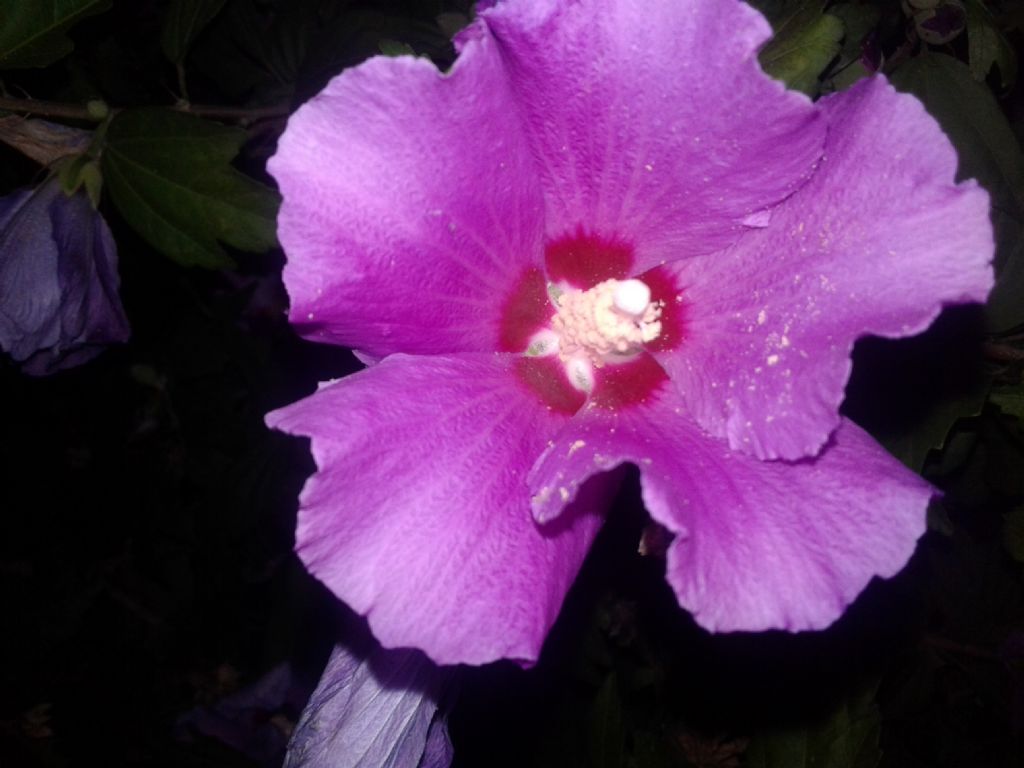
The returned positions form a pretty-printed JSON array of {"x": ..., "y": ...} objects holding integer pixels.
[
  {"x": 67, "y": 111},
  {"x": 242, "y": 114},
  {"x": 47, "y": 109}
]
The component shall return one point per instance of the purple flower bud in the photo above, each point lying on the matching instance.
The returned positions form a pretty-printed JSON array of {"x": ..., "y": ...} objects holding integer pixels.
[
  {"x": 942, "y": 23},
  {"x": 871, "y": 53},
  {"x": 380, "y": 711},
  {"x": 59, "y": 303}
]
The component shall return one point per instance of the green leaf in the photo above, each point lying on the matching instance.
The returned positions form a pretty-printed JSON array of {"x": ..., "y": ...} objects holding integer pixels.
[
  {"x": 255, "y": 51},
  {"x": 1005, "y": 306},
  {"x": 858, "y": 20},
  {"x": 847, "y": 76},
  {"x": 395, "y": 48},
  {"x": 971, "y": 117},
  {"x": 1010, "y": 401},
  {"x": 805, "y": 41},
  {"x": 847, "y": 738},
  {"x": 170, "y": 176},
  {"x": 913, "y": 447},
  {"x": 453, "y": 23},
  {"x": 82, "y": 170},
  {"x": 986, "y": 46},
  {"x": 989, "y": 152},
  {"x": 34, "y": 33},
  {"x": 184, "y": 21}
]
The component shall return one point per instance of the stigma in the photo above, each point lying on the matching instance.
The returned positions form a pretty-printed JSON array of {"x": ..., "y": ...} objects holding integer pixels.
[{"x": 606, "y": 324}]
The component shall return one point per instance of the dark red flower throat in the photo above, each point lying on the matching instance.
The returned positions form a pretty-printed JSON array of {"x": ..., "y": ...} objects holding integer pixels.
[{"x": 580, "y": 262}]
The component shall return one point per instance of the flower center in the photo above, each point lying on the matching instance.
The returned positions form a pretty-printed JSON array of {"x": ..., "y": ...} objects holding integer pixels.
[{"x": 608, "y": 323}]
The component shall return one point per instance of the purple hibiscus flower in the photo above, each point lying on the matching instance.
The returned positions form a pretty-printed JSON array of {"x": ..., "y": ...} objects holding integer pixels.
[
  {"x": 380, "y": 711},
  {"x": 376, "y": 709},
  {"x": 605, "y": 236},
  {"x": 59, "y": 302}
]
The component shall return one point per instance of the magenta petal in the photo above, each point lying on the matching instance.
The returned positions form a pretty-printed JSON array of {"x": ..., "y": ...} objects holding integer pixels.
[
  {"x": 419, "y": 514},
  {"x": 758, "y": 544},
  {"x": 653, "y": 122},
  {"x": 410, "y": 206},
  {"x": 877, "y": 243}
]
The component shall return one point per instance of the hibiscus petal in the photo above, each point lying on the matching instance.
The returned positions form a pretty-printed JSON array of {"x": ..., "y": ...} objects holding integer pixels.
[
  {"x": 419, "y": 516},
  {"x": 877, "y": 243},
  {"x": 411, "y": 208},
  {"x": 653, "y": 122},
  {"x": 758, "y": 544}
]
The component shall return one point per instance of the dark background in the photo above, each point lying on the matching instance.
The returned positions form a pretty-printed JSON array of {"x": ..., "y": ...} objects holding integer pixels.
[{"x": 146, "y": 513}]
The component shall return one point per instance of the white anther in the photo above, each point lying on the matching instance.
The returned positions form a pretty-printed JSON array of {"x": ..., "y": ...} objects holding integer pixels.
[
  {"x": 580, "y": 373},
  {"x": 632, "y": 297},
  {"x": 542, "y": 344}
]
